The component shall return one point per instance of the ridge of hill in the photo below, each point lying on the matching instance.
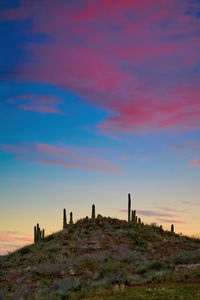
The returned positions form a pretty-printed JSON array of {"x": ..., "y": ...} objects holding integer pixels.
[{"x": 101, "y": 253}]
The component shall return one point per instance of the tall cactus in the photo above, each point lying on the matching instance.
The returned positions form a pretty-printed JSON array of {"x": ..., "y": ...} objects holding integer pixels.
[
  {"x": 93, "y": 211},
  {"x": 71, "y": 218},
  {"x": 133, "y": 216},
  {"x": 64, "y": 219},
  {"x": 129, "y": 207},
  {"x": 172, "y": 228},
  {"x": 35, "y": 234},
  {"x": 38, "y": 234}
]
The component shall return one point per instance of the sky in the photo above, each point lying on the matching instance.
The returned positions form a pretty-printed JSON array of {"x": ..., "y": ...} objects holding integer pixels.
[{"x": 98, "y": 99}]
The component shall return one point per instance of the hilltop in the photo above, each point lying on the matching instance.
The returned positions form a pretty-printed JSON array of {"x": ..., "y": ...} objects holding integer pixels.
[{"x": 101, "y": 256}]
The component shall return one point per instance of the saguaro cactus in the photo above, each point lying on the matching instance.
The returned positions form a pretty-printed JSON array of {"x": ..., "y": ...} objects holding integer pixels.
[
  {"x": 133, "y": 216},
  {"x": 172, "y": 228},
  {"x": 35, "y": 234},
  {"x": 129, "y": 207},
  {"x": 64, "y": 219},
  {"x": 38, "y": 234},
  {"x": 93, "y": 211},
  {"x": 71, "y": 218}
]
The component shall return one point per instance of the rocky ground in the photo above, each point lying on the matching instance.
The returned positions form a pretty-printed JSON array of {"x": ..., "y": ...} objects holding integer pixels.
[{"x": 101, "y": 253}]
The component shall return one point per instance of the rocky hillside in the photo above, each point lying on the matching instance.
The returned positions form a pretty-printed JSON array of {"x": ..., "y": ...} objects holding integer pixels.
[{"x": 101, "y": 253}]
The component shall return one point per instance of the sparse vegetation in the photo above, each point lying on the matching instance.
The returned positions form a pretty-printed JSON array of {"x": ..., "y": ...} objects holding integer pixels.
[
  {"x": 101, "y": 253},
  {"x": 103, "y": 256}
]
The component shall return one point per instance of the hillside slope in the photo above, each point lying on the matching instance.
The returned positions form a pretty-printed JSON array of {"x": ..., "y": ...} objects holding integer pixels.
[{"x": 101, "y": 253}]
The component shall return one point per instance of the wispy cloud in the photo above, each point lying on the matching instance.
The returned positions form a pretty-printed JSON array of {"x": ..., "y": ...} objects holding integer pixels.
[
  {"x": 11, "y": 240},
  {"x": 153, "y": 213},
  {"x": 171, "y": 221},
  {"x": 194, "y": 163},
  {"x": 141, "y": 69},
  {"x": 149, "y": 213},
  {"x": 173, "y": 210},
  {"x": 65, "y": 156},
  {"x": 189, "y": 150},
  {"x": 191, "y": 203},
  {"x": 38, "y": 103}
]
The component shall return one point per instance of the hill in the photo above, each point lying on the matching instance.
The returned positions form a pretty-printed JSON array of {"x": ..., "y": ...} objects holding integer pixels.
[{"x": 100, "y": 256}]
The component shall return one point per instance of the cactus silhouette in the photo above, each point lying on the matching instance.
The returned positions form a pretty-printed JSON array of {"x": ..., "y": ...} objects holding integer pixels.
[
  {"x": 71, "y": 218},
  {"x": 38, "y": 234},
  {"x": 35, "y": 234},
  {"x": 172, "y": 228},
  {"x": 64, "y": 219},
  {"x": 133, "y": 216},
  {"x": 129, "y": 207},
  {"x": 93, "y": 211}
]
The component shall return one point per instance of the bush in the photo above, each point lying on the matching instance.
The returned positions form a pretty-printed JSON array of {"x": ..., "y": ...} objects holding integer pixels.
[
  {"x": 49, "y": 238},
  {"x": 142, "y": 268},
  {"x": 156, "y": 266},
  {"x": 24, "y": 250},
  {"x": 187, "y": 257},
  {"x": 48, "y": 270}
]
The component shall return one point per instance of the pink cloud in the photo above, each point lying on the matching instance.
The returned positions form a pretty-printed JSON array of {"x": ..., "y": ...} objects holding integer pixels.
[
  {"x": 150, "y": 213},
  {"x": 37, "y": 103},
  {"x": 190, "y": 151},
  {"x": 194, "y": 163},
  {"x": 63, "y": 156},
  {"x": 153, "y": 213},
  {"x": 164, "y": 208},
  {"x": 171, "y": 221},
  {"x": 11, "y": 240},
  {"x": 132, "y": 58}
]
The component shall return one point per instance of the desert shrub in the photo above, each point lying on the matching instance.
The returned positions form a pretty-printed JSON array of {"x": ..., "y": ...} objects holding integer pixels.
[
  {"x": 54, "y": 248},
  {"x": 71, "y": 230},
  {"x": 83, "y": 292},
  {"x": 150, "y": 235},
  {"x": 139, "y": 243},
  {"x": 154, "y": 278},
  {"x": 110, "y": 268},
  {"x": 188, "y": 257},
  {"x": 142, "y": 268},
  {"x": 49, "y": 238},
  {"x": 66, "y": 285},
  {"x": 60, "y": 296},
  {"x": 156, "y": 266},
  {"x": 48, "y": 270},
  {"x": 24, "y": 250},
  {"x": 87, "y": 262}
]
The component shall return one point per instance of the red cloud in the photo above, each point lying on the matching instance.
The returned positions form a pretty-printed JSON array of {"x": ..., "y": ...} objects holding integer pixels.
[
  {"x": 62, "y": 156},
  {"x": 133, "y": 58}
]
